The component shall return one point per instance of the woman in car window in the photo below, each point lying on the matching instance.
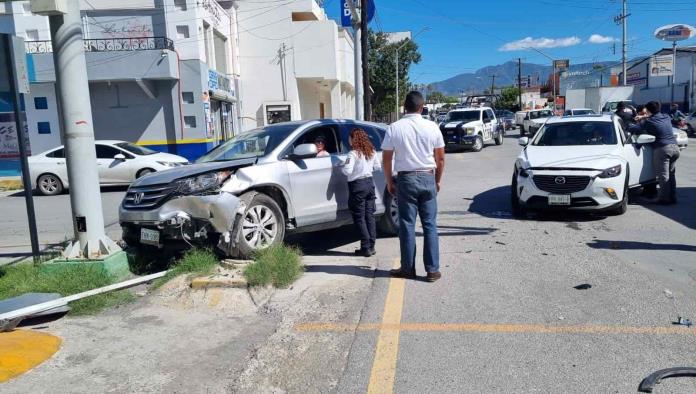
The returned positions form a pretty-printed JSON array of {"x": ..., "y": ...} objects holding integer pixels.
[
  {"x": 358, "y": 167},
  {"x": 320, "y": 142}
]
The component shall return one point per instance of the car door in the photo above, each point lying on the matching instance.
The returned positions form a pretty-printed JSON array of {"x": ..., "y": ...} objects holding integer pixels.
[
  {"x": 494, "y": 123},
  {"x": 111, "y": 171},
  {"x": 639, "y": 158},
  {"x": 315, "y": 185}
]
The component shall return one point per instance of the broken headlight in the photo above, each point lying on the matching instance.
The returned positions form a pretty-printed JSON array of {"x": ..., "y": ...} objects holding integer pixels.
[{"x": 202, "y": 183}]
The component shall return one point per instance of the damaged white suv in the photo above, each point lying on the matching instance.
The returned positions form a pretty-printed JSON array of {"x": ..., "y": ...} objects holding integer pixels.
[{"x": 247, "y": 193}]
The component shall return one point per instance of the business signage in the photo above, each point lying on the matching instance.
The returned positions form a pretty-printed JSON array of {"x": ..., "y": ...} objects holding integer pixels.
[
  {"x": 561, "y": 65},
  {"x": 636, "y": 79},
  {"x": 220, "y": 83},
  {"x": 346, "y": 13},
  {"x": 662, "y": 66},
  {"x": 675, "y": 32}
]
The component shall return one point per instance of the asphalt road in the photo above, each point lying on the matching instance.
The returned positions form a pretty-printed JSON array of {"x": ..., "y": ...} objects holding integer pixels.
[{"x": 504, "y": 318}]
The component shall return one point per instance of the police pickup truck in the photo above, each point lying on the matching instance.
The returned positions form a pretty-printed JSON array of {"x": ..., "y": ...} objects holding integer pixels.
[{"x": 471, "y": 128}]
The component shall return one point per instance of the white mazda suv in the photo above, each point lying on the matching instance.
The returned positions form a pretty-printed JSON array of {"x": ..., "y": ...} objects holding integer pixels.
[{"x": 581, "y": 163}]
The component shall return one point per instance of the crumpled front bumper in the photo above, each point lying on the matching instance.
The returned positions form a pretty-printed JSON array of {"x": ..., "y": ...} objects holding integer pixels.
[{"x": 186, "y": 218}]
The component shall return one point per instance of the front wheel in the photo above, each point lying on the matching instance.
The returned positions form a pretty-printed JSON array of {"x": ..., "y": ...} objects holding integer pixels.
[
  {"x": 518, "y": 210},
  {"x": 623, "y": 207},
  {"x": 389, "y": 222},
  {"x": 262, "y": 225},
  {"x": 478, "y": 144}
]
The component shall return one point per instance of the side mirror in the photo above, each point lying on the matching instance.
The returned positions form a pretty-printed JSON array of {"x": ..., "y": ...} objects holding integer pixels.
[
  {"x": 643, "y": 139},
  {"x": 120, "y": 157},
  {"x": 523, "y": 141},
  {"x": 304, "y": 151}
]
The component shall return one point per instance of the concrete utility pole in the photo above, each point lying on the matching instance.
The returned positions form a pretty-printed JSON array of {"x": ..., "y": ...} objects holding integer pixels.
[
  {"x": 357, "y": 51},
  {"x": 623, "y": 20},
  {"x": 674, "y": 68},
  {"x": 76, "y": 112},
  {"x": 519, "y": 80},
  {"x": 364, "y": 35}
]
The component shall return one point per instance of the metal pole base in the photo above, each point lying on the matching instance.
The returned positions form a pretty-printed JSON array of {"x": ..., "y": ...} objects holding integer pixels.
[{"x": 93, "y": 250}]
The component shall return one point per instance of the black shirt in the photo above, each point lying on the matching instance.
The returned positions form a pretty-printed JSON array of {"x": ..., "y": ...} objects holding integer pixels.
[{"x": 659, "y": 125}]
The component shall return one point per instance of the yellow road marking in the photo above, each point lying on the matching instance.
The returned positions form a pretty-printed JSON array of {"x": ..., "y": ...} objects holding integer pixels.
[
  {"x": 384, "y": 364},
  {"x": 493, "y": 328},
  {"x": 22, "y": 350},
  {"x": 215, "y": 297}
]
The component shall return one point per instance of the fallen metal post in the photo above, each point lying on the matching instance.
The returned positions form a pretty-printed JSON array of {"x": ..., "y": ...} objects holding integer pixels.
[{"x": 8, "y": 317}]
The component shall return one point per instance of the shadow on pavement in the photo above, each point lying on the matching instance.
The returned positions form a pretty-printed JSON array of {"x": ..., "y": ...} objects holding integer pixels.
[
  {"x": 683, "y": 212},
  {"x": 353, "y": 270},
  {"x": 635, "y": 245},
  {"x": 322, "y": 243}
]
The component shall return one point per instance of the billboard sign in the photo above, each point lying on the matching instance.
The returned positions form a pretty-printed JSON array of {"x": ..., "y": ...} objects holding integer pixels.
[
  {"x": 678, "y": 32},
  {"x": 662, "y": 66},
  {"x": 561, "y": 65}
]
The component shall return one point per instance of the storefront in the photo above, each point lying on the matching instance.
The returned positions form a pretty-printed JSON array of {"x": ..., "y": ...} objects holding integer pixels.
[{"x": 221, "y": 107}]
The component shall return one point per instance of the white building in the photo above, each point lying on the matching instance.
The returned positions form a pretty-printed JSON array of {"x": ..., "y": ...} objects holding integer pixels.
[{"x": 297, "y": 63}]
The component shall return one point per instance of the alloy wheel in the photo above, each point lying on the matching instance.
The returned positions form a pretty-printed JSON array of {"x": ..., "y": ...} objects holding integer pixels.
[
  {"x": 259, "y": 227},
  {"x": 49, "y": 184}
]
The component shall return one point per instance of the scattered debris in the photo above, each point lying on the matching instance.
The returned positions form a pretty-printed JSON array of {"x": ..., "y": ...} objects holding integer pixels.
[
  {"x": 546, "y": 232},
  {"x": 682, "y": 321},
  {"x": 468, "y": 251},
  {"x": 647, "y": 385},
  {"x": 500, "y": 243},
  {"x": 668, "y": 294},
  {"x": 584, "y": 286},
  {"x": 544, "y": 254},
  {"x": 561, "y": 318}
]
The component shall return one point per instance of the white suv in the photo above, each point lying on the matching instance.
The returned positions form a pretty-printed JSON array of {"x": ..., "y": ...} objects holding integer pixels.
[
  {"x": 583, "y": 162},
  {"x": 471, "y": 128},
  {"x": 534, "y": 119}
]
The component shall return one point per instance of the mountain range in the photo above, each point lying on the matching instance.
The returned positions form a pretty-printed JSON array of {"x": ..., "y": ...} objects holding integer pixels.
[{"x": 506, "y": 75}]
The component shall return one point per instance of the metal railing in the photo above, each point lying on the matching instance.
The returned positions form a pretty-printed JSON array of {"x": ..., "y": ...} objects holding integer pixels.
[{"x": 109, "y": 44}]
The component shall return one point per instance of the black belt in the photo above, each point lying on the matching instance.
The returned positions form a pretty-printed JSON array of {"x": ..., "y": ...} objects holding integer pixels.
[{"x": 416, "y": 172}]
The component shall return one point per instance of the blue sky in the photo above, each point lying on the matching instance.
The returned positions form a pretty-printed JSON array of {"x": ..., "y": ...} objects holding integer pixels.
[{"x": 466, "y": 35}]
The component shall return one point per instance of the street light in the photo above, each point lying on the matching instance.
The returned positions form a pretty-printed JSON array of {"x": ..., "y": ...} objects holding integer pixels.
[{"x": 397, "y": 66}]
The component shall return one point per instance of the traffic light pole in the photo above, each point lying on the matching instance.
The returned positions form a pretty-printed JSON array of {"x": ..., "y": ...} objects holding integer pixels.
[{"x": 76, "y": 112}]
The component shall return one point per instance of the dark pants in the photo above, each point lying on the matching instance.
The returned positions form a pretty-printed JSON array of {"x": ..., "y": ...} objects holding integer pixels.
[
  {"x": 417, "y": 196},
  {"x": 362, "y": 206},
  {"x": 664, "y": 161}
]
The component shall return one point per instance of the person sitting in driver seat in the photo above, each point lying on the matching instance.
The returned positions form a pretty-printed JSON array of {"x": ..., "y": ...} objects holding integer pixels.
[{"x": 320, "y": 142}]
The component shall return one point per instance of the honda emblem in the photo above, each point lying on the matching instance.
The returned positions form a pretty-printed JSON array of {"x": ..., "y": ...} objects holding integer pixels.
[{"x": 138, "y": 198}]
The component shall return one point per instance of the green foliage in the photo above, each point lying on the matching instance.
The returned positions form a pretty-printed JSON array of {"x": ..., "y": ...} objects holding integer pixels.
[
  {"x": 382, "y": 63},
  {"x": 28, "y": 278},
  {"x": 198, "y": 261},
  {"x": 279, "y": 265},
  {"x": 509, "y": 98}
]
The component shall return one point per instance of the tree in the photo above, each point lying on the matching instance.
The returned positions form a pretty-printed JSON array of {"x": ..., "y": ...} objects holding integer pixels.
[
  {"x": 509, "y": 98},
  {"x": 382, "y": 64}
]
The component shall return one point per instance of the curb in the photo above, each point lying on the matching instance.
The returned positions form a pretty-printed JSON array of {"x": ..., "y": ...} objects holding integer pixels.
[{"x": 207, "y": 283}]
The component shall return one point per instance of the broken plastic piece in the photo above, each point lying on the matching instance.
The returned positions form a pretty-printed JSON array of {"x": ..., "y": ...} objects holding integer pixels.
[
  {"x": 584, "y": 286},
  {"x": 647, "y": 385},
  {"x": 682, "y": 321}
]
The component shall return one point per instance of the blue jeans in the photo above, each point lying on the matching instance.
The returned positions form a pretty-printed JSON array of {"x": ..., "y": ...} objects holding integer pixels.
[{"x": 417, "y": 195}]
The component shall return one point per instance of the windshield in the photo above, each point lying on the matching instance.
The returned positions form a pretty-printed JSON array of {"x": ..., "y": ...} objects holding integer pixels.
[
  {"x": 255, "y": 143},
  {"x": 464, "y": 116},
  {"x": 135, "y": 149},
  {"x": 539, "y": 114},
  {"x": 576, "y": 133}
]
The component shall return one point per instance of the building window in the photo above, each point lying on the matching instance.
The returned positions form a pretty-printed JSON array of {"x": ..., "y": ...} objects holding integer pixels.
[
  {"x": 182, "y": 31},
  {"x": 187, "y": 97},
  {"x": 44, "y": 127},
  {"x": 40, "y": 103},
  {"x": 190, "y": 122},
  {"x": 26, "y": 8},
  {"x": 32, "y": 35},
  {"x": 180, "y": 5}
]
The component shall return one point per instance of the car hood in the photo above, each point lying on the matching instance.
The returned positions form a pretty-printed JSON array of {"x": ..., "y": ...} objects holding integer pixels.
[
  {"x": 597, "y": 157},
  {"x": 168, "y": 176},
  {"x": 539, "y": 120},
  {"x": 455, "y": 124},
  {"x": 168, "y": 157}
]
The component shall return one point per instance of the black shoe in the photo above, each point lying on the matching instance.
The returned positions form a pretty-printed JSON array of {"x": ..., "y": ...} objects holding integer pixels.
[
  {"x": 372, "y": 251},
  {"x": 398, "y": 273},
  {"x": 363, "y": 252}
]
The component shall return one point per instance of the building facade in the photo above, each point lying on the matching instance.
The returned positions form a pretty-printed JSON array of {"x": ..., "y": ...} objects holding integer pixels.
[
  {"x": 298, "y": 62},
  {"x": 162, "y": 73}
]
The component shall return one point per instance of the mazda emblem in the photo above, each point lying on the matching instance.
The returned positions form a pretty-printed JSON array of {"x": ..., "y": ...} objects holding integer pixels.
[
  {"x": 560, "y": 180},
  {"x": 138, "y": 198}
]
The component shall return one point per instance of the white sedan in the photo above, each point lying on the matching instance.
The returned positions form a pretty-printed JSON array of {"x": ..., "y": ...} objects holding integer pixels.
[
  {"x": 119, "y": 163},
  {"x": 580, "y": 163}
]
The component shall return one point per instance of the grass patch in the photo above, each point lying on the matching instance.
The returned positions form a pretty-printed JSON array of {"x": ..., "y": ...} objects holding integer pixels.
[
  {"x": 278, "y": 265},
  {"x": 10, "y": 184},
  {"x": 198, "y": 261},
  {"x": 28, "y": 278}
]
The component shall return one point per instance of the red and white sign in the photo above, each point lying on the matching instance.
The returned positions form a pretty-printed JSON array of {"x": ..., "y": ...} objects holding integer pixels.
[{"x": 678, "y": 32}]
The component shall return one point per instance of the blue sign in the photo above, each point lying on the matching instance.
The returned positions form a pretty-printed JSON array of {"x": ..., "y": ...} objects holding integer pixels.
[{"x": 346, "y": 20}]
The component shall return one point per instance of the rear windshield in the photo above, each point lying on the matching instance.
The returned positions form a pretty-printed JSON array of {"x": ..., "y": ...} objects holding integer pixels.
[
  {"x": 540, "y": 114},
  {"x": 576, "y": 133}
]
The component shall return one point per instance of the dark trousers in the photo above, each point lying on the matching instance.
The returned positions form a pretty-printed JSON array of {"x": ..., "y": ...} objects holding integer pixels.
[
  {"x": 362, "y": 206},
  {"x": 664, "y": 162}
]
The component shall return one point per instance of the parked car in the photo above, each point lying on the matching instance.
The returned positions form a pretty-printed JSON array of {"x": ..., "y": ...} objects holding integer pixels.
[
  {"x": 579, "y": 112},
  {"x": 533, "y": 121},
  {"x": 691, "y": 124},
  {"x": 581, "y": 163},
  {"x": 119, "y": 163},
  {"x": 519, "y": 118},
  {"x": 506, "y": 119},
  {"x": 249, "y": 192},
  {"x": 471, "y": 128},
  {"x": 441, "y": 118}
]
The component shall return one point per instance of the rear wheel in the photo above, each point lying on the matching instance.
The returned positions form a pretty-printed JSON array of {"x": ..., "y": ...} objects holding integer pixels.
[
  {"x": 49, "y": 185},
  {"x": 499, "y": 139},
  {"x": 262, "y": 225},
  {"x": 389, "y": 222},
  {"x": 478, "y": 144}
]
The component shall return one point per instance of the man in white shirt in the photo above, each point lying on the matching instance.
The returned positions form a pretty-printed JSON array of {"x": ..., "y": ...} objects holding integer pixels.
[{"x": 418, "y": 150}]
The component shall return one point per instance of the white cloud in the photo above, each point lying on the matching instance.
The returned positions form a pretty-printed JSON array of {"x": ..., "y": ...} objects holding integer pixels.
[
  {"x": 600, "y": 39},
  {"x": 538, "y": 43}
]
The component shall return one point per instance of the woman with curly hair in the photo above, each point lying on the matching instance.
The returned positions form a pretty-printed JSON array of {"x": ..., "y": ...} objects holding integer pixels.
[{"x": 358, "y": 167}]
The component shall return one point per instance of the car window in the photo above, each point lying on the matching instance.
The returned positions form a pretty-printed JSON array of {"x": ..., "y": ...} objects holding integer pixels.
[
  {"x": 485, "y": 116},
  {"x": 255, "y": 143},
  {"x": 57, "y": 154},
  {"x": 464, "y": 116},
  {"x": 490, "y": 114},
  {"x": 106, "y": 152},
  {"x": 328, "y": 133},
  {"x": 135, "y": 149},
  {"x": 576, "y": 133},
  {"x": 375, "y": 137},
  {"x": 567, "y": 113}
]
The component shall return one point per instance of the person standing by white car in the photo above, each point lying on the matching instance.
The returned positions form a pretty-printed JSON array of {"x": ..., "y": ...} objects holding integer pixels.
[{"x": 665, "y": 151}]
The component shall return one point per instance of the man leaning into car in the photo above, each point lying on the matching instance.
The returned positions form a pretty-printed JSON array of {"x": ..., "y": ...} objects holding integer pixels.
[{"x": 665, "y": 150}]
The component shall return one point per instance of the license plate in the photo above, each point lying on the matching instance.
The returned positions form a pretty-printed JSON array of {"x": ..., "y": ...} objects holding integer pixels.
[
  {"x": 559, "y": 199},
  {"x": 149, "y": 237}
]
